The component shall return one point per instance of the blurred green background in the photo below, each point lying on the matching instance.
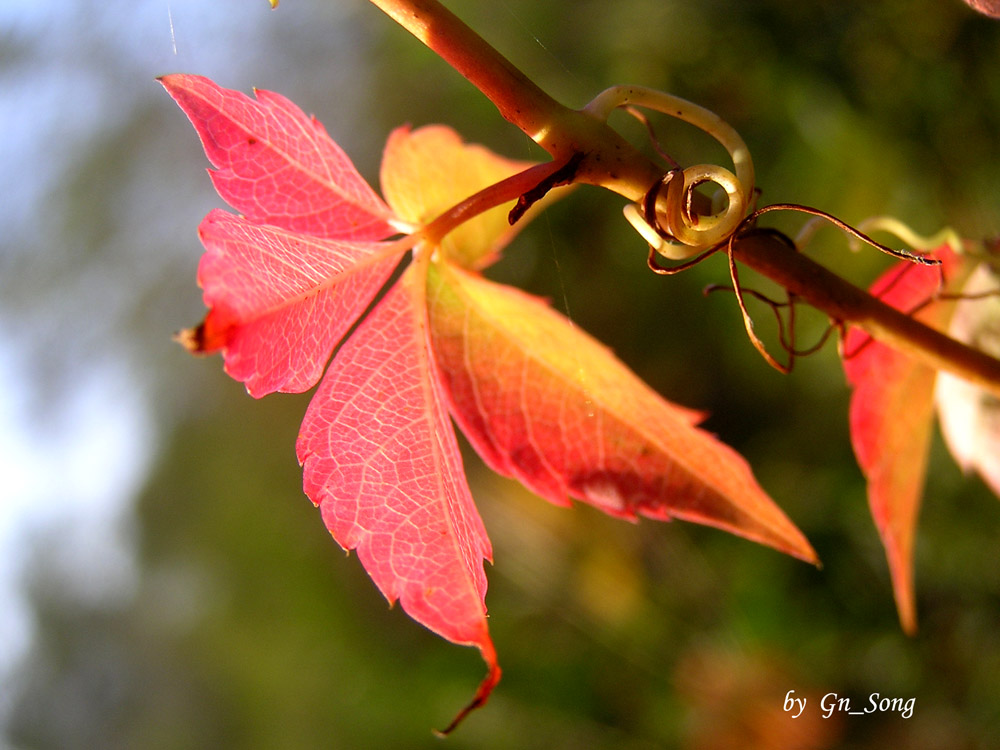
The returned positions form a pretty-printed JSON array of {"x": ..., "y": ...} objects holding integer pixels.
[{"x": 164, "y": 582}]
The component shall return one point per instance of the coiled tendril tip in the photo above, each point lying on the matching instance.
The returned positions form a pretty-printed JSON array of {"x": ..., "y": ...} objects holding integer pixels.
[{"x": 667, "y": 218}]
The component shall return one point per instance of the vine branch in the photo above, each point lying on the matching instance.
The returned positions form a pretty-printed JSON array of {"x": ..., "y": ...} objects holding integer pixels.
[
  {"x": 607, "y": 160},
  {"x": 846, "y": 303}
]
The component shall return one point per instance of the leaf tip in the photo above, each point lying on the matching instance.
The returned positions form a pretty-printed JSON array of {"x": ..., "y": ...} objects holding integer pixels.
[
  {"x": 812, "y": 557},
  {"x": 166, "y": 82},
  {"x": 901, "y": 573},
  {"x": 803, "y": 551},
  {"x": 192, "y": 339},
  {"x": 789, "y": 540},
  {"x": 908, "y": 622},
  {"x": 482, "y": 692},
  {"x": 170, "y": 81}
]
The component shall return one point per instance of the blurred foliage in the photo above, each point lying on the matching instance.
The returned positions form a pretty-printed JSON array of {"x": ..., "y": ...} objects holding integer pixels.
[{"x": 249, "y": 628}]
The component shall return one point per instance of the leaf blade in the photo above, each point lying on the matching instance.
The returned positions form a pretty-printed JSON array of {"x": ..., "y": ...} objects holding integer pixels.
[
  {"x": 890, "y": 418},
  {"x": 278, "y": 166},
  {"x": 381, "y": 461},
  {"x": 543, "y": 402},
  {"x": 428, "y": 170},
  {"x": 279, "y": 301}
]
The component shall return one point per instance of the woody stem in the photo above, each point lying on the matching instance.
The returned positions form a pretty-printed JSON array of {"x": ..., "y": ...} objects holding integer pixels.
[
  {"x": 611, "y": 162},
  {"x": 845, "y": 303}
]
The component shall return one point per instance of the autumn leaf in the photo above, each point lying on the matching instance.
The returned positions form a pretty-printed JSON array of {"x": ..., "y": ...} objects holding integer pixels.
[
  {"x": 280, "y": 300},
  {"x": 540, "y": 400},
  {"x": 275, "y": 165},
  {"x": 543, "y": 402},
  {"x": 891, "y": 417},
  {"x": 426, "y": 171},
  {"x": 283, "y": 285},
  {"x": 380, "y": 459}
]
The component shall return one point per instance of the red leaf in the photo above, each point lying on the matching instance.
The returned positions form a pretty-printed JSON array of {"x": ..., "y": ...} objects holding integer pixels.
[
  {"x": 986, "y": 7},
  {"x": 280, "y": 301},
  {"x": 543, "y": 402},
  {"x": 278, "y": 166},
  {"x": 891, "y": 414},
  {"x": 381, "y": 461},
  {"x": 539, "y": 399}
]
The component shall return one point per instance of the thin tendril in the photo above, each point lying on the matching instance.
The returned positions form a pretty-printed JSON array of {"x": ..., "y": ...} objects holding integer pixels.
[
  {"x": 912, "y": 257},
  {"x": 654, "y": 141},
  {"x": 894, "y": 226},
  {"x": 655, "y": 267},
  {"x": 786, "y": 334},
  {"x": 747, "y": 320},
  {"x": 969, "y": 295},
  {"x": 734, "y": 274}
]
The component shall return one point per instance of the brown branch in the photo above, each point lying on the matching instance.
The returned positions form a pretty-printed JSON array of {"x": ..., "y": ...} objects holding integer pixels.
[
  {"x": 611, "y": 162},
  {"x": 517, "y": 97},
  {"x": 845, "y": 303}
]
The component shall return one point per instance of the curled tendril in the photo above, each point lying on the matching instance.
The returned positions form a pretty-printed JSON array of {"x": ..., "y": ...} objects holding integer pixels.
[
  {"x": 669, "y": 217},
  {"x": 746, "y": 225},
  {"x": 786, "y": 328},
  {"x": 679, "y": 231}
]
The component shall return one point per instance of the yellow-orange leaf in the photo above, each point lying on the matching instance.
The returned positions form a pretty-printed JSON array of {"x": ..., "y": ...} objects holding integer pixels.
[
  {"x": 545, "y": 403},
  {"x": 427, "y": 171}
]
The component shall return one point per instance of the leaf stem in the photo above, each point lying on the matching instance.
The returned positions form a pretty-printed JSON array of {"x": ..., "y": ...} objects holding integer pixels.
[
  {"x": 610, "y": 161},
  {"x": 496, "y": 194},
  {"x": 519, "y": 100}
]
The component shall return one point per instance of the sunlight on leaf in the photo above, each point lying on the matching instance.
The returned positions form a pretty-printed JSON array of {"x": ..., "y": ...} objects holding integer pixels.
[
  {"x": 279, "y": 300},
  {"x": 275, "y": 165},
  {"x": 427, "y": 171},
  {"x": 539, "y": 399},
  {"x": 381, "y": 461},
  {"x": 543, "y": 402},
  {"x": 891, "y": 416}
]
